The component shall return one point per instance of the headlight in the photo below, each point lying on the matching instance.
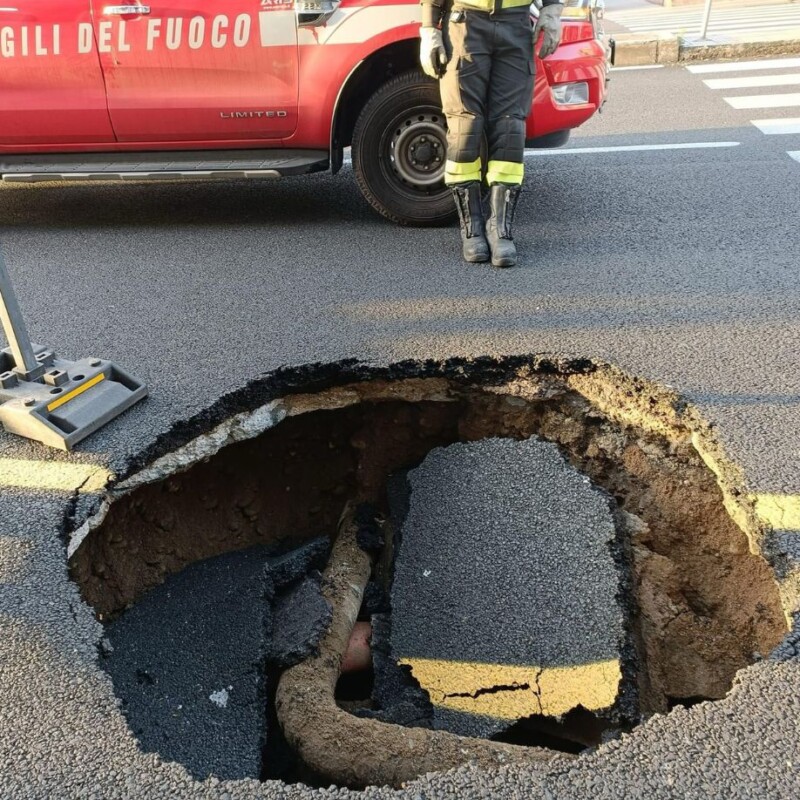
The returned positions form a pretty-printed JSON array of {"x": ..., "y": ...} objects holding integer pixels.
[{"x": 571, "y": 94}]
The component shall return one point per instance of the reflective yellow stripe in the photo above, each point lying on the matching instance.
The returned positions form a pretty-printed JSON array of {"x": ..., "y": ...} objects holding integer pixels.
[
  {"x": 461, "y": 172},
  {"x": 505, "y": 172},
  {"x": 75, "y": 392},
  {"x": 488, "y": 5}
]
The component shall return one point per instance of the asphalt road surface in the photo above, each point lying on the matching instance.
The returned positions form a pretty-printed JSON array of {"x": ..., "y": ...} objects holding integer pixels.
[{"x": 663, "y": 240}]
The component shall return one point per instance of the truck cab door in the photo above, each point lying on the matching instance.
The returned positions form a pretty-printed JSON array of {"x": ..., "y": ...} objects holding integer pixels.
[
  {"x": 51, "y": 85},
  {"x": 199, "y": 70}
]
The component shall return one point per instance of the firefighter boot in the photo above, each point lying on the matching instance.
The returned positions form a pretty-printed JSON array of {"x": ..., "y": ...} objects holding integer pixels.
[
  {"x": 470, "y": 213},
  {"x": 503, "y": 199}
]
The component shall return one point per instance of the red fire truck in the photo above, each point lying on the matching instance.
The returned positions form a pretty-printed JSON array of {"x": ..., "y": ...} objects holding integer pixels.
[{"x": 255, "y": 89}]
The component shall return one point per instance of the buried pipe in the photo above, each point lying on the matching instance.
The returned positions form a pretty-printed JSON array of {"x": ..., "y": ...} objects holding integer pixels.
[
  {"x": 358, "y": 655},
  {"x": 359, "y": 752}
]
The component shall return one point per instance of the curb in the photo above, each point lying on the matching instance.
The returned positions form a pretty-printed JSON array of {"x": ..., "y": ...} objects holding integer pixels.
[{"x": 636, "y": 49}]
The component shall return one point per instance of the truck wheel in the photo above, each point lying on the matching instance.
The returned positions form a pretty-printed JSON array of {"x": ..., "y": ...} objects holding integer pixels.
[{"x": 399, "y": 146}]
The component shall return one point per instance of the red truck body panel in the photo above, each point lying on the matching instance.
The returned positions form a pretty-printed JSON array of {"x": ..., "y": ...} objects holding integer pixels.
[
  {"x": 206, "y": 74},
  {"x": 51, "y": 84},
  {"x": 184, "y": 71}
]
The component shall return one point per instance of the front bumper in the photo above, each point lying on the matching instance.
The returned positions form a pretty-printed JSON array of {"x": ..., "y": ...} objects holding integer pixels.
[{"x": 587, "y": 62}]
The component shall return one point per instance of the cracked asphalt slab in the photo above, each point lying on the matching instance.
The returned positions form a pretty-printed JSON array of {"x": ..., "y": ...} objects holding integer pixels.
[
  {"x": 678, "y": 266},
  {"x": 505, "y": 566},
  {"x": 190, "y": 659}
]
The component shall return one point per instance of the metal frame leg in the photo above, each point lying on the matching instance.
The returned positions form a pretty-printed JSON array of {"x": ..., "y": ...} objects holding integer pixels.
[{"x": 25, "y": 363}]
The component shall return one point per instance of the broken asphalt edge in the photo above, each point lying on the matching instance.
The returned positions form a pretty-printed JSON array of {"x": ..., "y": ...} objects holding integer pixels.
[
  {"x": 265, "y": 401},
  {"x": 643, "y": 49},
  {"x": 255, "y": 407}
]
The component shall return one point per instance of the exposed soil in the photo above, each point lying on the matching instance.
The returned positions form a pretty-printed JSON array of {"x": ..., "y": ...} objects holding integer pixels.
[{"x": 705, "y": 606}]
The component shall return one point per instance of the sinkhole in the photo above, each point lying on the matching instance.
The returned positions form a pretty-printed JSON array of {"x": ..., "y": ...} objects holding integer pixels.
[{"x": 396, "y": 573}]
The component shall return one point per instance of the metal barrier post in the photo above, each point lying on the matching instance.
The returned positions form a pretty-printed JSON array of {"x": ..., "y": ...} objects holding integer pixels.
[
  {"x": 706, "y": 17},
  {"x": 26, "y": 364}
]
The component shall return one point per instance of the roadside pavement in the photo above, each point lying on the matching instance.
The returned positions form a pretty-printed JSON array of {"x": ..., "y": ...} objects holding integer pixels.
[{"x": 651, "y": 34}]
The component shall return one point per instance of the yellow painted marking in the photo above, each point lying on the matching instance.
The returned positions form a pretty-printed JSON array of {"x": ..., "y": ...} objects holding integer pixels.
[
  {"x": 594, "y": 686},
  {"x": 781, "y": 511},
  {"x": 52, "y": 475},
  {"x": 75, "y": 392},
  {"x": 551, "y": 691}
]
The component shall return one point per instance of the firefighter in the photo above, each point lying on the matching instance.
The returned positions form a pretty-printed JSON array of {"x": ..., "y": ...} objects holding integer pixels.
[{"x": 486, "y": 86}]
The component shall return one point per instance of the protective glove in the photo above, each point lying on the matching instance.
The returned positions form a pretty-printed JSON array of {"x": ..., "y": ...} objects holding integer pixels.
[
  {"x": 432, "y": 54},
  {"x": 549, "y": 24}
]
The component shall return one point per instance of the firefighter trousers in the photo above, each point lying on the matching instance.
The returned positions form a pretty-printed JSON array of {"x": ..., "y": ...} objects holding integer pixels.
[{"x": 487, "y": 88}]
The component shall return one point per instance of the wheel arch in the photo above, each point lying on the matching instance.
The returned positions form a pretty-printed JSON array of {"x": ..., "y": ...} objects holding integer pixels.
[{"x": 367, "y": 77}]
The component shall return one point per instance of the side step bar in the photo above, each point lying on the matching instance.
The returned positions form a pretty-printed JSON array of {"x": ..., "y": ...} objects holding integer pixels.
[
  {"x": 42, "y": 177},
  {"x": 166, "y": 166}
]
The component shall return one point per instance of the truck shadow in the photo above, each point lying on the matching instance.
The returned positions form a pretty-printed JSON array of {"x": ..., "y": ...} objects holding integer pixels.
[{"x": 308, "y": 199}]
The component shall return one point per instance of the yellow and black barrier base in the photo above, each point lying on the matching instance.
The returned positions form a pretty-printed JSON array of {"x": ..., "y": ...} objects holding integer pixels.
[
  {"x": 54, "y": 401},
  {"x": 71, "y": 400}
]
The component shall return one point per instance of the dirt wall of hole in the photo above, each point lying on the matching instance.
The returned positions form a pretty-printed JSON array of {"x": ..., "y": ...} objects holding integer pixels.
[{"x": 705, "y": 606}]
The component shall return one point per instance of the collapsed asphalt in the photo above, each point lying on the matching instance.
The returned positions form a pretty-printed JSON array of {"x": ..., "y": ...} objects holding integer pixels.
[
  {"x": 188, "y": 661},
  {"x": 677, "y": 266},
  {"x": 506, "y": 555}
]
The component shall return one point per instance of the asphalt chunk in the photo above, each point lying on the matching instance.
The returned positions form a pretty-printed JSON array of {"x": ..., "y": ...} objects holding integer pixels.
[
  {"x": 300, "y": 616},
  {"x": 290, "y": 567},
  {"x": 506, "y": 592},
  {"x": 188, "y": 662}
]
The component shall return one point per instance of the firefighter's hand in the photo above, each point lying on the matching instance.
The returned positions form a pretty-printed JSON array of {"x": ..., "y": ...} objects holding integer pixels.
[
  {"x": 432, "y": 54},
  {"x": 549, "y": 26}
]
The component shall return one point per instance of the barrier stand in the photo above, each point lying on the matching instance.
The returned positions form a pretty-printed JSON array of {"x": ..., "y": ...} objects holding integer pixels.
[{"x": 54, "y": 401}]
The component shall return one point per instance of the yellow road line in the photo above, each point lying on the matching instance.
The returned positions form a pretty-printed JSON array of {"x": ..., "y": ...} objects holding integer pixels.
[
  {"x": 781, "y": 511},
  {"x": 527, "y": 689},
  {"x": 52, "y": 475},
  {"x": 75, "y": 392}
]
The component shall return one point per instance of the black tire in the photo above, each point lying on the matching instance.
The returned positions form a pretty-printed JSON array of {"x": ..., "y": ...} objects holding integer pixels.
[{"x": 402, "y": 120}]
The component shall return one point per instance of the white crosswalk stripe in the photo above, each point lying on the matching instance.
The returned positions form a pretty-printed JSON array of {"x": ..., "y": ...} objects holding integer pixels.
[
  {"x": 745, "y": 66},
  {"x": 723, "y": 20},
  {"x": 754, "y": 81},
  {"x": 629, "y": 148},
  {"x": 771, "y": 74},
  {"x": 765, "y": 101},
  {"x": 778, "y": 127}
]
